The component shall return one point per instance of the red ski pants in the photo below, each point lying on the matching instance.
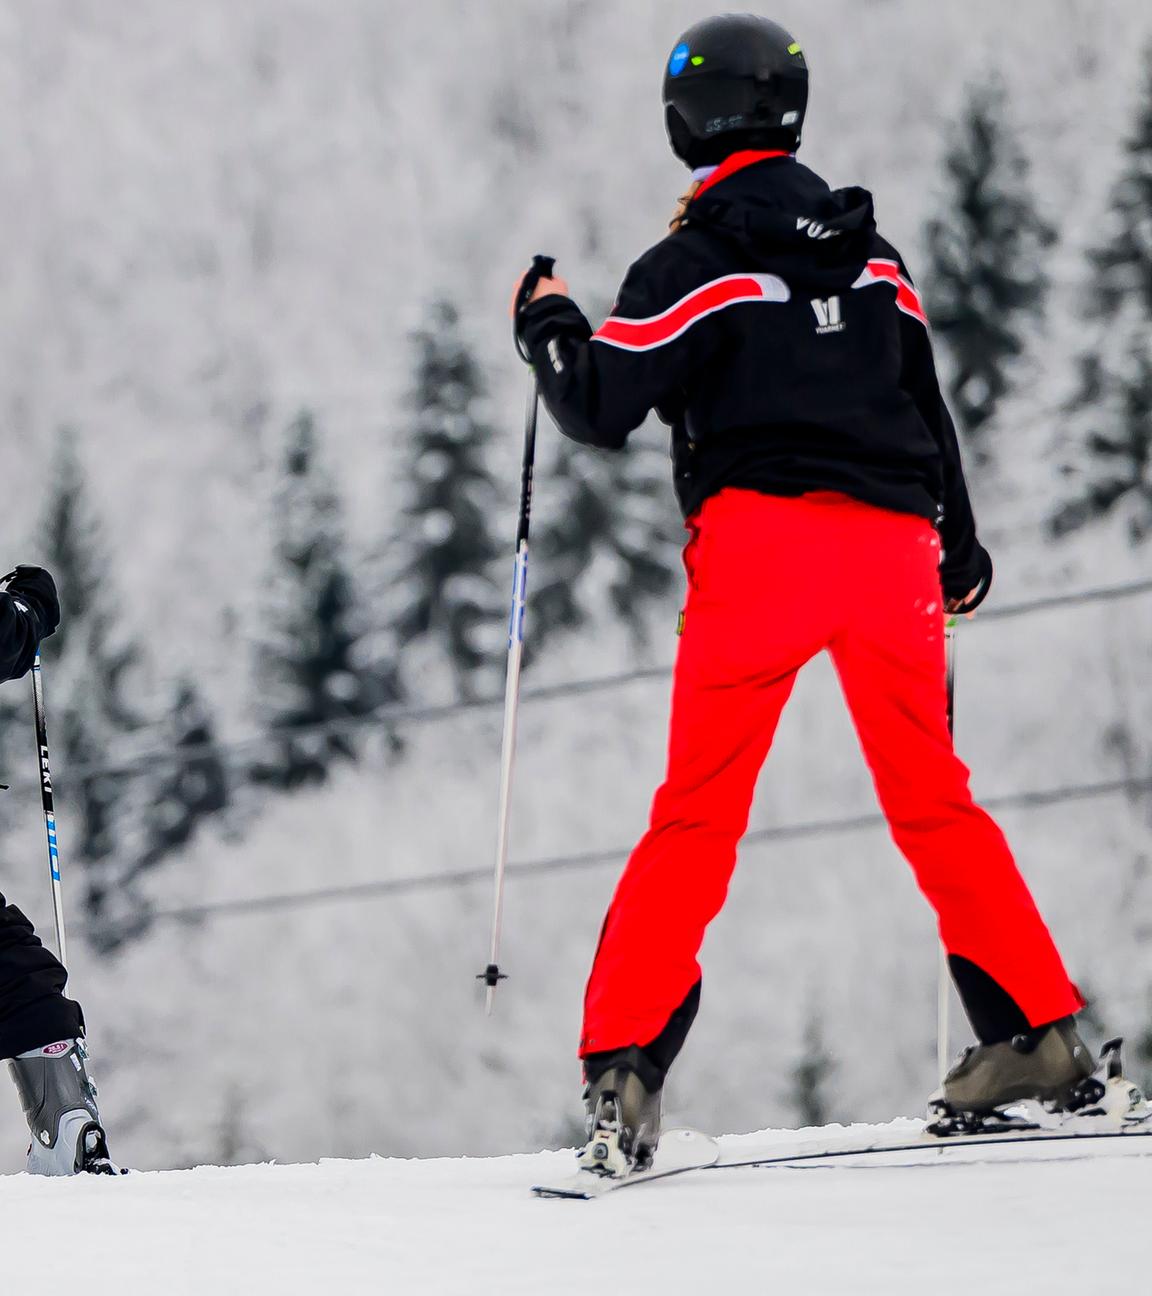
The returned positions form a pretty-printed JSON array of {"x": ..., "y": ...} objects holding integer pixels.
[{"x": 772, "y": 582}]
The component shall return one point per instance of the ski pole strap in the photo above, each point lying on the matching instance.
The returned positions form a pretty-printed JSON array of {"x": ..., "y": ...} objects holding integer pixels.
[{"x": 542, "y": 267}]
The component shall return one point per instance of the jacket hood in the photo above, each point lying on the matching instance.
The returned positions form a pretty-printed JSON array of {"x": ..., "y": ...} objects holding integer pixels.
[{"x": 787, "y": 221}]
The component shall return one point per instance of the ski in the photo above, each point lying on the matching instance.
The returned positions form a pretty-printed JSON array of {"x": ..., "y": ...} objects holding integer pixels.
[
  {"x": 806, "y": 1153},
  {"x": 681, "y": 1151},
  {"x": 678, "y": 1151}
]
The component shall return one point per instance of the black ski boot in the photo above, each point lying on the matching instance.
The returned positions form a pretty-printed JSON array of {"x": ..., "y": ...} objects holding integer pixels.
[
  {"x": 1050, "y": 1065},
  {"x": 622, "y": 1100},
  {"x": 59, "y": 1101}
]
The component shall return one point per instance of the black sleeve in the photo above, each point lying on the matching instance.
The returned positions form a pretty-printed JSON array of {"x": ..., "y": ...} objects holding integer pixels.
[
  {"x": 967, "y": 565},
  {"x": 598, "y": 390},
  {"x": 29, "y": 612}
]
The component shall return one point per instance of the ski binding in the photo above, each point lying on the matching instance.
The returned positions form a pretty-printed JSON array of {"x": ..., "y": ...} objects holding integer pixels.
[
  {"x": 678, "y": 1151},
  {"x": 1104, "y": 1102}
]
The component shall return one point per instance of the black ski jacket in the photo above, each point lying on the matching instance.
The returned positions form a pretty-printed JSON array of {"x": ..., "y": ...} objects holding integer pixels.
[{"x": 784, "y": 342}]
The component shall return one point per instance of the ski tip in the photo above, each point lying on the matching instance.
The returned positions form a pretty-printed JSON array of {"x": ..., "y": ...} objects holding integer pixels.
[{"x": 571, "y": 1194}]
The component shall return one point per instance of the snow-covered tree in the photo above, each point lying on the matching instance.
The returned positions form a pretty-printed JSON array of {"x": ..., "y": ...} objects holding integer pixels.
[
  {"x": 450, "y": 587},
  {"x": 1112, "y": 467},
  {"x": 314, "y": 666},
  {"x": 607, "y": 539},
  {"x": 1110, "y": 464},
  {"x": 174, "y": 795},
  {"x": 86, "y": 667},
  {"x": 16, "y": 753},
  {"x": 811, "y": 1075},
  {"x": 985, "y": 277}
]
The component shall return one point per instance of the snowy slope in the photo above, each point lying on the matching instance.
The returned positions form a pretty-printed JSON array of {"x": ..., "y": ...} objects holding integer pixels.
[{"x": 1072, "y": 1221}]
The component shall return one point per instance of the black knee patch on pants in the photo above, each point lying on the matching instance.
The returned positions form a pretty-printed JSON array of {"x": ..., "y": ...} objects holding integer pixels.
[
  {"x": 994, "y": 1014},
  {"x": 650, "y": 1061},
  {"x": 664, "y": 1048}
]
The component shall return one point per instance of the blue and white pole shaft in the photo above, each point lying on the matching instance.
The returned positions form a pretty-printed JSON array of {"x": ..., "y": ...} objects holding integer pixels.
[
  {"x": 45, "y": 776},
  {"x": 542, "y": 268},
  {"x": 943, "y": 975}
]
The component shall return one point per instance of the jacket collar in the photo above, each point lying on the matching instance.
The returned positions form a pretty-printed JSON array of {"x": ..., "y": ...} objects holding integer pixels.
[{"x": 737, "y": 162}]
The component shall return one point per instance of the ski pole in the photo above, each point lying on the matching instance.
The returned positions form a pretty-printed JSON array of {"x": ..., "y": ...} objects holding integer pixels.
[
  {"x": 943, "y": 975},
  {"x": 541, "y": 268},
  {"x": 49, "y": 811}
]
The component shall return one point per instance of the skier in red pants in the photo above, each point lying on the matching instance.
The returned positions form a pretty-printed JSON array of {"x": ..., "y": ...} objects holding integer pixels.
[{"x": 783, "y": 340}]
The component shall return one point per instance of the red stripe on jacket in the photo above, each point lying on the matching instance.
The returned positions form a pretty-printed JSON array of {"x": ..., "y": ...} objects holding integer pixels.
[
  {"x": 907, "y": 298},
  {"x": 656, "y": 330}
]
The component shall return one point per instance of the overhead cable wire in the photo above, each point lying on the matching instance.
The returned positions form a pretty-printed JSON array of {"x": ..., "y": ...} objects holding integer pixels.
[
  {"x": 558, "y": 864},
  {"x": 403, "y": 715}
]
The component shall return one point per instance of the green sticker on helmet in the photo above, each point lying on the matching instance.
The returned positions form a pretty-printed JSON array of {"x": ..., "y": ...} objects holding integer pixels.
[
  {"x": 697, "y": 59},
  {"x": 794, "y": 48}
]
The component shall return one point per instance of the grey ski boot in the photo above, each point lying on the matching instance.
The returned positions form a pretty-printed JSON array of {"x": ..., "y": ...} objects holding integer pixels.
[
  {"x": 622, "y": 1102},
  {"x": 59, "y": 1101},
  {"x": 1050, "y": 1065}
]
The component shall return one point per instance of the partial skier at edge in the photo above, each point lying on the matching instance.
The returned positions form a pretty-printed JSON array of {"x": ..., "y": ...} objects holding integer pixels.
[
  {"x": 42, "y": 1031},
  {"x": 783, "y": 340}
]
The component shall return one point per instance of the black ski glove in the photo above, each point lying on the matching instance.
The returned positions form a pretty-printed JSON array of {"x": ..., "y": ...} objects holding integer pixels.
[
  {"x": 542, "y": 267},
  {"x": 34, "y": 588},
  {"x": 977, "y": 576}
]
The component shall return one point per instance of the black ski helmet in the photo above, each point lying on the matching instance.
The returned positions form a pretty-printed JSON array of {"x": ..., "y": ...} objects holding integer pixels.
[{"x": 734, "y": 81}]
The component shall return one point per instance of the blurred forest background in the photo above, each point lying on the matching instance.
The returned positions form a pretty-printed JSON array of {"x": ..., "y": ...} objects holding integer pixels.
[{"x": 261, "y": 418}]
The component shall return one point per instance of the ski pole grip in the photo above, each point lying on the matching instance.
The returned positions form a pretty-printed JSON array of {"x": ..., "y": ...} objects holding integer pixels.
[{"x": 542, "y": 267}]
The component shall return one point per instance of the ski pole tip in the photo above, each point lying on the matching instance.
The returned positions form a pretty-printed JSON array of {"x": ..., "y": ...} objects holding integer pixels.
[{"x": 491, "y": 976}]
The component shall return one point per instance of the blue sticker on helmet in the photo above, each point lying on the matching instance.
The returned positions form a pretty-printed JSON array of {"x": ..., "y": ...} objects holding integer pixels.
[{"x": 678, "y": 61}]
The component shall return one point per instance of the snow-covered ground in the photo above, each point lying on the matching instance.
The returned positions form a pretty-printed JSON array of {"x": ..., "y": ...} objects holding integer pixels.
[{"x": 1050, "y": 1219}]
